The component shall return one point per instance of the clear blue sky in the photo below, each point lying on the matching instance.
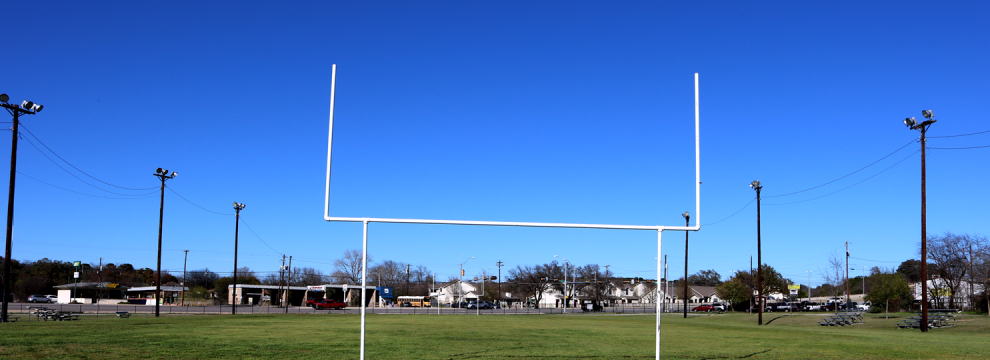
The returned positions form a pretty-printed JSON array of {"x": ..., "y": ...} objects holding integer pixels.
[{"x": 553, "y": 112}]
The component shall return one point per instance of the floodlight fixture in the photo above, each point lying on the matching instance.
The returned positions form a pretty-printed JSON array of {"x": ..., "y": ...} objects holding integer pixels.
[
  {"x": 239, "y": 206},
  {"x": 686, "y": 215},
  {"x": 927, "y": 114},
  {"x": 158, "y": 171},
  {"x": 910, "y": 121},
  {"x": 755, "y": 185},
  {"x": 37, "y": 107},
  {"x": 4, "y": 98},
  {"x": 26, "y": 105},
  {"x": 175, "y": 173}
]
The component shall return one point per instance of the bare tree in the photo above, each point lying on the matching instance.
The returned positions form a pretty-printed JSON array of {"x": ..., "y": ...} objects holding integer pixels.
[
  {"x": 530, "y": 281},
  {"x": 347, "y": 269},
  {"x": 307, "y": 276},
  {"x": 833, "y": 276},
  {"x": 949, "y": 253},
  {"x": 388, "y": 273}
]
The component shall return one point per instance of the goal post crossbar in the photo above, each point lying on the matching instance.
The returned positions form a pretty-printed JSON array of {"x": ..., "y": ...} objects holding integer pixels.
[{"x": 366, "y": 220}]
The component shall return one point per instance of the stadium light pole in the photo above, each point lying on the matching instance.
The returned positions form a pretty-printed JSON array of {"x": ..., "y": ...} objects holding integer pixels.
[
  {"x": 27, "y": 108},
  {"x": 759, "y": 254},
  {"x": 922, "y": 127},
  {"x": 163, "y": 175},
  {"x": 687, "y": 222},
  {"x": 237, "y": 223}
]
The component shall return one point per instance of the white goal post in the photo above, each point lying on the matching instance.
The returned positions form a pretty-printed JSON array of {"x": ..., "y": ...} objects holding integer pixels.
[{"x": 658, "y": 228}]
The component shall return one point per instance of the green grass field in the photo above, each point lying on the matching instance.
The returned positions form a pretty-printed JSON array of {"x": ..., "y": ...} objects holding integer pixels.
[{"x": 730, "y": 336}]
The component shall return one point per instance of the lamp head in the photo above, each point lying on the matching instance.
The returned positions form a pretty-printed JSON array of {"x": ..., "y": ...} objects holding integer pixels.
[
  {"x": 37, "y": 107},
  {"x": 686, "y": 215},
  {"x": 158, "y": 171},
  {"x": 26, "y": 105},
  {"x": 4, "y": 98},
  {"x": 927, "y": 114},
  {"x": 755, "y": 184},
  {"x": 174, "y": 173},
  {"x": 910, "y": 121}
]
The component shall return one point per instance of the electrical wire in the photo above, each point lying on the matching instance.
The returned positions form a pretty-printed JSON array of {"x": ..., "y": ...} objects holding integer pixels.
[
  {"x": 194, "y": 204},
  {"x": 733, "y": 214},
  {"x": 74, "y": 175},
  {"x": 949, "y": 136},
  {"x": 846, "y": 175},
  {"x": 879, "y": 261},
  {"x": 259, "y": 237},
  {"x": 139, "y": 196},
  {"x": 73, "y": 166},
  {"x": 847, "y": 187},
  {"x": 960, "y": 148}
]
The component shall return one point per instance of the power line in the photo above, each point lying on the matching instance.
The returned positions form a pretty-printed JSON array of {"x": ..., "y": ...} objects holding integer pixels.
[
  {"x": 73, "y": 166},
  {"x": 138, "y": 196},
  {"x": 733, "y": 214},
  {"x": 847, "y": 187},
  {"x": 949, "y": 136},
  {"x": 194, "y": 204},
  {"x": 74, "y": 175},
  {"x": 960, "y": 148},
  {"x": 879, "y": 261},
  {"x": 259, "y": 238},
  {"x": 846, "y": 175}
]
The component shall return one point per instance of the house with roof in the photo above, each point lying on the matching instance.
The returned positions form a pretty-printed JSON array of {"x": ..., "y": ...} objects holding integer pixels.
[{"x": 455, "y": 291}]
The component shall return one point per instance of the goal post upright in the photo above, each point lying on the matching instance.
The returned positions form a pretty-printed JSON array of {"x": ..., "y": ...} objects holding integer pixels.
[{"x": 366, "y": 220}]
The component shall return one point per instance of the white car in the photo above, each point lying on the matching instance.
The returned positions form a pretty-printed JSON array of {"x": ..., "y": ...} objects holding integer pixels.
[{"x": 864, "y": 306}]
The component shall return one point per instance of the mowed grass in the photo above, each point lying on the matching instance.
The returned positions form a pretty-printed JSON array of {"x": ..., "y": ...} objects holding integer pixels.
[{"x": 336, "y": 336}]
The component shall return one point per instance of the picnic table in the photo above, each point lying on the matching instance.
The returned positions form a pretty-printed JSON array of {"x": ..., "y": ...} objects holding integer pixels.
[
  {"x": 842, "y": 319},
  {"x": 936, "y": 318}
]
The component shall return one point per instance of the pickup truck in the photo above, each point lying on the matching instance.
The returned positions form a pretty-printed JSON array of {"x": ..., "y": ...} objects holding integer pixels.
[{"x": 325, "y": 304}]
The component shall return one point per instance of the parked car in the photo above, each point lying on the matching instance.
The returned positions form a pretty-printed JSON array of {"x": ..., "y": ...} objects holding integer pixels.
[
  {"x": 813, "y": 307},
  {"x": 719, "y": 307},
  {"x": 479, "y": 305},
  {"x": 462, "y": 304},
  {"x": 864, "y": 306},
  {"x": 785, "y": 307},
  {"x": 52, "y": 298},
  {"x": 41, "y": 298},
  {"x": 326, "y": 304},
  {"x": 705, "y": 308},
  {"x": 405, "y": 304}
]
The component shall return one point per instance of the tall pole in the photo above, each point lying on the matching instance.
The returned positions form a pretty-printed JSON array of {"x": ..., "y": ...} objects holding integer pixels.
[
  {"x": 687, "y": 221},
  {"x": 751, "y": 279},
  {"x": 237, "y": 224},
  {"x": 10, "y": 216},
  {"x": 847, "y": 275},
  {"x": 407, "y": 280},
  {"x": 922, "y": 127},
  {"x": 281, "y": 276},
  {"x": 565, "y": 286},
  {"x": 29, "y": 108},
  {"x": 809, "y": 286},
  {"x": 185, "y": 261},
  {"x": 924, "y": 241},
  {"x": 499, "y": 264},
  {"x": 288, "y": 282},
  {"x": 759, "y": 254},
  {"x": 162, "y": 175}
]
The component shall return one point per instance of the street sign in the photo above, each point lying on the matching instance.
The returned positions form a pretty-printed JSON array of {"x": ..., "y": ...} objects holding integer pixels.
[
  {"x": 75, "y": 275},
  {"x": 77, "y": 263}
]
